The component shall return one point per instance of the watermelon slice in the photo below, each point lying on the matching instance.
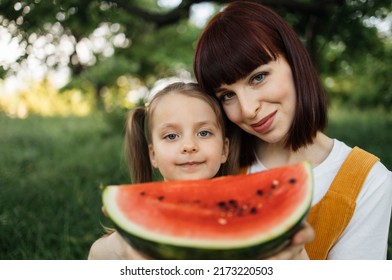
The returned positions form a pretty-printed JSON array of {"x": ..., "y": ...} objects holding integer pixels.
[{"x": 232, "y": 217}]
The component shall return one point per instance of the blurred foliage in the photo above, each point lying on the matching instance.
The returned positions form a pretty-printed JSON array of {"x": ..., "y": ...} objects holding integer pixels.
[
  {"x": 41, "y": 98},
  {"x": 363, "y": 83},
  {"x": 149, "y": 41}
]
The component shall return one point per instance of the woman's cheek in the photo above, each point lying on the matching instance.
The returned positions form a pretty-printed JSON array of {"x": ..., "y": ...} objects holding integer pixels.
[{"x": 233, "y": 114}]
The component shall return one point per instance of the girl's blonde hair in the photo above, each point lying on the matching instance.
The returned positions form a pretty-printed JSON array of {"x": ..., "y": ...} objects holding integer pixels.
[{"x": 139, "y": 128}]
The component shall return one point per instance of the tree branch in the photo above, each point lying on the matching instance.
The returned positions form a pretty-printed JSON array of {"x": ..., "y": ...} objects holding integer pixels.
[
  {"x": 160, "y": 19},
  {"x": 183, "y": 10}
]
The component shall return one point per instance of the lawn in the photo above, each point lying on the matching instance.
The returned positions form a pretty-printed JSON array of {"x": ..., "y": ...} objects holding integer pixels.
[
  {"x": 51, "y": 170},
  {"x": 50, "y": 173}
]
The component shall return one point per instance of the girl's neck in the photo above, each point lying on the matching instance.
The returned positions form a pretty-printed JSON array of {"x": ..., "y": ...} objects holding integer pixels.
[{"x": 275, "y": 155}]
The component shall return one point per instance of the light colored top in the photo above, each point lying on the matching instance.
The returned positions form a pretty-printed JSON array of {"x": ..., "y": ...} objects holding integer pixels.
[{"x": 366, "y": 236}]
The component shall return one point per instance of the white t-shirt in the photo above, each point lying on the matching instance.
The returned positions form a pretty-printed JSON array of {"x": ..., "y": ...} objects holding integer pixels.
[{"x": 366, "y": 236}]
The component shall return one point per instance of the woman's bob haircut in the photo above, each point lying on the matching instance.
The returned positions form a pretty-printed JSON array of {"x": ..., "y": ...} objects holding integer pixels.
[{"x": 245, "y": 35}]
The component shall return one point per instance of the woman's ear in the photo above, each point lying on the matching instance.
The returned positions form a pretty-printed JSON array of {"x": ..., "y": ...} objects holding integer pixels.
[
  {"x": 225, "y": 150},
  {"x": 152, "y": 156}
]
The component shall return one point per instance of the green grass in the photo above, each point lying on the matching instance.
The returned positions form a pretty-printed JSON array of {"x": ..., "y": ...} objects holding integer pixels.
[
  {"x": 50, "y": 173},
  {"x": 51, "y": 170},
  {"x": 370, "y": 130}
]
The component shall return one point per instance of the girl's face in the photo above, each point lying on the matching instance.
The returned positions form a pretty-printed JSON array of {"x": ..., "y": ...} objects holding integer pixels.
[
  {"x": 263, "y": 103},
  {"x": 187, "y": 142}
]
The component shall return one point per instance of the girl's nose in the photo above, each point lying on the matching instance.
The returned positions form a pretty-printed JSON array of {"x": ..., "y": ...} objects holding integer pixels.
[{"x": 189, "y": 147}]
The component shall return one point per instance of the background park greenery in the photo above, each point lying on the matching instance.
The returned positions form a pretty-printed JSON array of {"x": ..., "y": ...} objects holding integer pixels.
[{"x": 59, "y": 144}]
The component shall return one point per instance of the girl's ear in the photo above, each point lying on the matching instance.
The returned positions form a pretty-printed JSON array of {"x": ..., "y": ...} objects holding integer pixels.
[
  {"x": 225, "y": 150},
  {"x": 152, "y": 156}
]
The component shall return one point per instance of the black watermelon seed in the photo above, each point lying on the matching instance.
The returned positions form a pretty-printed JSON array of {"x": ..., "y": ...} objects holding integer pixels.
[
  {"x": 253, "y": 210},
  {"x": 259, "y": 192},
  {"x": 292, "y": 181},
  {"x": 142, "y": 193},
  {"x": 221, "y": 204},
  {"x": 233, "y": 203},
  {"x": 160, "y": 197}
]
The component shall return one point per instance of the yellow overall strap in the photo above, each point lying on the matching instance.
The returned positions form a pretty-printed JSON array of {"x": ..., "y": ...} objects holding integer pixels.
[
  {"x": 243, "y": 170},
  {"x": 331, "y": 215}
]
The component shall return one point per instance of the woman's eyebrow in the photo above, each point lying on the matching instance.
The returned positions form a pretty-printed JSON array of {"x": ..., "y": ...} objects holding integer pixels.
[{"x": 220, "y": 90}]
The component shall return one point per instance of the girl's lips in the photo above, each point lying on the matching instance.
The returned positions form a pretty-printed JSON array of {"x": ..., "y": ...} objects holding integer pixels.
[
  {"x": 264, "y": 124},
  {"x": 190, "y": 164}
]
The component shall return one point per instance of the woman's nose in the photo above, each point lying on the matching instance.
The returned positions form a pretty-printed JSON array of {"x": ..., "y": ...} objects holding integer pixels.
[{"x": 249, "y": 105}]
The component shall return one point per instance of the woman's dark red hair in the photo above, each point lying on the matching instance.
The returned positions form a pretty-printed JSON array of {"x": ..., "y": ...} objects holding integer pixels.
[{"x": 245, "y": 35}]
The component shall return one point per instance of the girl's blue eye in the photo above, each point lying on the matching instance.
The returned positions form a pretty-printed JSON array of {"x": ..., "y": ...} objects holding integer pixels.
[
  {"x": 204, "y": 133},
  {"x": 171, "y": 136}
]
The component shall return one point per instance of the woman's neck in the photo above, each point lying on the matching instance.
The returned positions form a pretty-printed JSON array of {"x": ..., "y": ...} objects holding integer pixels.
[{"x": 275, "y": 154}]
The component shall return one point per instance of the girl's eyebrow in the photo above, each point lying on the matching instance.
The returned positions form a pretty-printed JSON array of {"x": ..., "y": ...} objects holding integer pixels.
[
  {"x": 167, "y": 125},
  {"x": 207, "y": 122},
  {"x": 200, "y": 123}
]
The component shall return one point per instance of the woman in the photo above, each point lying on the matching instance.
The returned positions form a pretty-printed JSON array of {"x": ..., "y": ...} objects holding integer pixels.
[{"x": 253, "y": 62}]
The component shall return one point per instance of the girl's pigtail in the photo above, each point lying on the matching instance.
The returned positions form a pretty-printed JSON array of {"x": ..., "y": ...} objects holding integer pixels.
[{"x": 136, "y": 147}]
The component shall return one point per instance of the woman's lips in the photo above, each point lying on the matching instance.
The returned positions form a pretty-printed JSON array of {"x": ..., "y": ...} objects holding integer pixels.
[{"x": 264, "y": 124}]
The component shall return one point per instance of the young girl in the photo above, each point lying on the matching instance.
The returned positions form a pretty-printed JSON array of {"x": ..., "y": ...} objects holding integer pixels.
[
  {"x": 181, "y": 132},
  {"x": 253, "y": 62}
]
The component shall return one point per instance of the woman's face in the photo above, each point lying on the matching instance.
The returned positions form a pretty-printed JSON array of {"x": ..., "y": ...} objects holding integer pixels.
[{"x": 263, "y": 103}]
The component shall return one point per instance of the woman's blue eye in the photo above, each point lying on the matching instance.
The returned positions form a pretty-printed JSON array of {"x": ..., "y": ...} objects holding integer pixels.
[
  {"x": 226, "y": 96},
  {"x": 258, "y": 78}
]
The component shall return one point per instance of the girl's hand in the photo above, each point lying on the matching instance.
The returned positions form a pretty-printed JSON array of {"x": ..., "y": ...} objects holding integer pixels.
[
  {"x": 296, "y": 250},
  {"x": 113, "y": 247}
]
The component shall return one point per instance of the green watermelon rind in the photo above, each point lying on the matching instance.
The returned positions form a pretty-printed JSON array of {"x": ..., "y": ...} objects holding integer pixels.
[
  {"x": 176, "y": 248},
  {"x": 162, "y": 251}
]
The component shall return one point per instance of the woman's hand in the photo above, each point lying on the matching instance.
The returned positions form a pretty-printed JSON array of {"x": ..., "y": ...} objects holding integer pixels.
[{"x": 296, "y": 250}]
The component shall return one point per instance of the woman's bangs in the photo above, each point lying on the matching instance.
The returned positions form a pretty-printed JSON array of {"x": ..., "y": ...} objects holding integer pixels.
[{"x": 230, "y": 56}]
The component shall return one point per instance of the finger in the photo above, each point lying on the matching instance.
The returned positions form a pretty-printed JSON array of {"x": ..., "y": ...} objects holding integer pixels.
[
  {"x": 304, "y": 236},
  {"x": 289, "y": 253},
  {"x": 104, "y": 211}
]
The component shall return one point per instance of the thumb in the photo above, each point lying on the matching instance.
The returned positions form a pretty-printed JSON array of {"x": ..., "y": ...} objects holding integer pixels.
[{"x": 104, "y": 211}]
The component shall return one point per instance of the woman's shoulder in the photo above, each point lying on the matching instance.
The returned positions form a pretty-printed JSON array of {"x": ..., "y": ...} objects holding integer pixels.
[
  {"x": 378, "y": 180},
  {"x": 378, "y": 171},
  {"x": 379, "y": 175}
]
